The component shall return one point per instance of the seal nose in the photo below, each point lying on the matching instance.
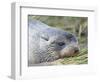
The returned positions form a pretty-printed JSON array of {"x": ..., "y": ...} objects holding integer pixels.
[{"x": 76, "y": 50}]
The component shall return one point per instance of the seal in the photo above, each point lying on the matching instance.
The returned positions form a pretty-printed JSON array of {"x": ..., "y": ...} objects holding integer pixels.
[{"x": 47, "y": 43}]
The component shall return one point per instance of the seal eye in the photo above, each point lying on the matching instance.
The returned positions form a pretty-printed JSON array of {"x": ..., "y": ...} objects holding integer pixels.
[{"x": 61, "y": 43}]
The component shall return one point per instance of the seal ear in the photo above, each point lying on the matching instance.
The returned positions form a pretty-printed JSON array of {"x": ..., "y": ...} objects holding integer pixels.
[
  {"x": 45, "y": 37},
  {"x": 68, "y": 35},
  {"x": 71, "y": 37}
]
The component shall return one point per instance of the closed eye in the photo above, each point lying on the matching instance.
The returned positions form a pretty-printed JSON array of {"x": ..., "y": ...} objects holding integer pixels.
[{"x": 61, "y": 43}]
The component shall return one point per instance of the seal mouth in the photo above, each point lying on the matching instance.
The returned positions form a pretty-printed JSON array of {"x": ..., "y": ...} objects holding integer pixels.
[{"x": 69, "y": 52}]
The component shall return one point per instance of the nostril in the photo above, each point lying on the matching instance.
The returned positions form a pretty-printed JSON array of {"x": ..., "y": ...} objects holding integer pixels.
[{"x": 76, "y": 50}]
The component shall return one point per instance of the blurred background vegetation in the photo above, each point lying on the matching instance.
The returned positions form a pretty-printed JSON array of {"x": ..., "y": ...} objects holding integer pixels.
[{"x": 76, "y": 25}]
